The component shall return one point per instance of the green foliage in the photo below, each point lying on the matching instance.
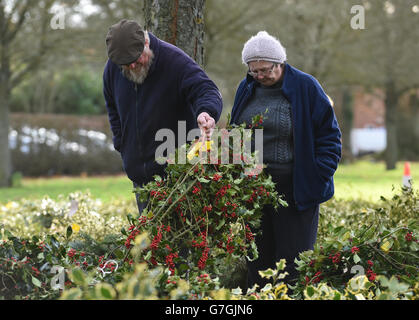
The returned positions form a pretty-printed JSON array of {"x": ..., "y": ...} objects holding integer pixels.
[
  {"x": 385, "y": 246},
  {"x": 194, "y": 235},
  {"x": 42, "y": 217},
  {"x": 374, "y": 242},
  {"x": 272, "y": 291},
  {"x": 72, "y": 91},
  {"x": 80, "y": 92},
  {"x": 40, "y": 235},
  {"x": 25, "y": 266}
]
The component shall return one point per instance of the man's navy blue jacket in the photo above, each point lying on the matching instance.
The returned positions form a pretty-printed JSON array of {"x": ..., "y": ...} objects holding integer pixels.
[
  {"x": 316, "y": 133},
  {"x": 176, "y": 89}
]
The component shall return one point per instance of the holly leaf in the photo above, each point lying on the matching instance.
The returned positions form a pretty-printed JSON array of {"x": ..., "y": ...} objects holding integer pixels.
[
  {"x": 36, "y": 282},
  {"x": 69, "y": 232},
  {"x": 222, "y": 222}
]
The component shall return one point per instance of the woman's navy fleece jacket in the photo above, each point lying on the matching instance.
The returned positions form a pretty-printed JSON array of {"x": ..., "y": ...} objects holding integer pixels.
[
  {"x": 176, "y": 89},
  {"x": 317, "y": 137}
]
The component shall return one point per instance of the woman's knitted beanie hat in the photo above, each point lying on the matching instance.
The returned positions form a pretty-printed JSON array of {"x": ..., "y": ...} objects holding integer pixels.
[{"x": 263, "y": 47}]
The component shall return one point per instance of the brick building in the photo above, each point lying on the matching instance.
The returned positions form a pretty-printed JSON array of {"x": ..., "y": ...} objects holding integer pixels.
[{"x": 368, "y": 132}]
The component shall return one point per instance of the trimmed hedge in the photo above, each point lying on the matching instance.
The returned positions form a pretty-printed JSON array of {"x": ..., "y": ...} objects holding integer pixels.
[{"x": 50, "y": 144}]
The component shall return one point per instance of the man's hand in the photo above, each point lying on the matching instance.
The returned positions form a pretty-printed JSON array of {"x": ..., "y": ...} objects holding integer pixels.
[{"x": 207, "y": 124}]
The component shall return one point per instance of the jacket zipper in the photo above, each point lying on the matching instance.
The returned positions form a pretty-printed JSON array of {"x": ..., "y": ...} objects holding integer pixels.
[
  {"x": 136, "y": 112},
  {"x": 138, "y": 129}
]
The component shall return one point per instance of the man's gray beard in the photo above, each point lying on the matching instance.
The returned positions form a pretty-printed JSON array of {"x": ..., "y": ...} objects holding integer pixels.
[{"x": 138, "y": 76}]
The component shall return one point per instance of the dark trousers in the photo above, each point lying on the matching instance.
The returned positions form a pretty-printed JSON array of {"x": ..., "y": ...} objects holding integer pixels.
[{"x": 285, "y": 233}]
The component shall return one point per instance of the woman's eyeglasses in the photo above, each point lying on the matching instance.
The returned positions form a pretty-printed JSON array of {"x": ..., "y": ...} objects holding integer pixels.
[{"x": 264, "y": 71}]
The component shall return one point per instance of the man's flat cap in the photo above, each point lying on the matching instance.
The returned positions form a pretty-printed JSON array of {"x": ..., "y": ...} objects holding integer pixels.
[{"x": 125, "y": 42}]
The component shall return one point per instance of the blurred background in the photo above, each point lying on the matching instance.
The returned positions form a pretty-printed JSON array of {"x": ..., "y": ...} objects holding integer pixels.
[{"x": 52, "y": 112}]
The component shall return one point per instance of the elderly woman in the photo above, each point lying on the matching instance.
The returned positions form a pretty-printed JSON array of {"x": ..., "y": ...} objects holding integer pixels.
[{"x": 301, "y": 148}]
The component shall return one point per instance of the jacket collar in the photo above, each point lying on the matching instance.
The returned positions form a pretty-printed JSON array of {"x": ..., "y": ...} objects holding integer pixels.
[
  {"x": 155, "y": 47},
  {"x": 287, "y": 86},
  {"x": 250, "y": 84}
]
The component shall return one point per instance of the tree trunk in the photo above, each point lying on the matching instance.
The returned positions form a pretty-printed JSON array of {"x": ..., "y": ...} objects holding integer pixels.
[
  {"x": 347, "y": 122},
  {"x": 179, "y": 22},
  {"x": 391, "y": 101},
  {"x": 415, "y": 118},
  {"x": 5, "y": 155}
]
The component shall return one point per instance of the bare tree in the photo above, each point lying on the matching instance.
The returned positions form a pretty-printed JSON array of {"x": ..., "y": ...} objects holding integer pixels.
[
  {"x": 392, "y": 48},
  {"x": 26, "y": 40}
]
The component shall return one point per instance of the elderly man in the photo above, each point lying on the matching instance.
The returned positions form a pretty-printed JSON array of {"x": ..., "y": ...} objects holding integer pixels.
[
  {"x": 301, "y": 148},
  {"x": 148, "y": 85}
]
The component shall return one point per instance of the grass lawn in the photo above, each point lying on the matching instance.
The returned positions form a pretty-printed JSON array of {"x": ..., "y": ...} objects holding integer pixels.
[
  {"x": 103, "y": 187},
  {"x": 369, "y": 180},
  {"x": 362, "y": 180}
]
